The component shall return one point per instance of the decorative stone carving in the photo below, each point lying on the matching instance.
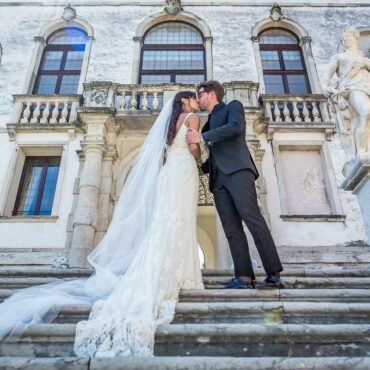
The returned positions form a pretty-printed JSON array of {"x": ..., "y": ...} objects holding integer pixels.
[
  {"x": 173, "y": 6},
  {"x": 69, "y": 13},
  {"x": 99, "y": 97},
  {"x": 276, "y": 13},
  {"x": 60, "y": 261},
  {"x": 351, "y": 94}
]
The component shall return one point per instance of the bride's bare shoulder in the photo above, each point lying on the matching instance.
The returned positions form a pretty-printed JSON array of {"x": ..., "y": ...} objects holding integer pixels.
[{"x": 193, "y": 121}]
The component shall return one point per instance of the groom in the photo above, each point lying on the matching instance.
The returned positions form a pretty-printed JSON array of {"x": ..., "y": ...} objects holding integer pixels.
[{"x": 232, "y": 174}]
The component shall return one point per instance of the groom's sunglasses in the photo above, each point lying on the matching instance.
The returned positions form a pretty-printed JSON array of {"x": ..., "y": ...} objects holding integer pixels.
[{"x": 201, "y": 93}]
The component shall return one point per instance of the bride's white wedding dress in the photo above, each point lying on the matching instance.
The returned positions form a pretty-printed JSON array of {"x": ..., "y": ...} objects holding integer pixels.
[
  {"x": 148, "y": 254},
  {"x": 125, "y": 323}
]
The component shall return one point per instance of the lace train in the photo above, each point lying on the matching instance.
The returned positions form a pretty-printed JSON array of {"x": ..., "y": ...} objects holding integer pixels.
[{"x": 125, "y": 323}]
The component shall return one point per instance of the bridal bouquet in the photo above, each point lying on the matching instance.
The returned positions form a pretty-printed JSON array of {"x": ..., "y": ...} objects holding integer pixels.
[{"x": 204, "y": 151}]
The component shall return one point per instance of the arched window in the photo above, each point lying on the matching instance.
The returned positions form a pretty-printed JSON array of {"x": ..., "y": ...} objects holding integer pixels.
[
  {"x": 60, "y": 67},
  {"x": 284, "y": 71},
  {"x": 172, "y": 52}
]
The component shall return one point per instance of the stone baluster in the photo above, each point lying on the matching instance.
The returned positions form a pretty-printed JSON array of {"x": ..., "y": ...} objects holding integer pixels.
[
  {"x": 122, "y": 105},
  {"x": 325, "y": 112},
  {"x": 268, "y": 111},
  {"x": 315, "y": 113},
  {"x": 26, "y": 113},
  {"x": 73, "y": 112},
  {"x": 297, "y": 118},
  {"x": 45, "y": 113},
  {"x": 64, "y": 117},
  {"x": 36, "y": 113},
  {"x": 155, "y": 101},
  {"x": 144, "y": 105},
  {"x": 305, "y": 113},
  {"x": 286, "y": 112},
  {"x": 277, "y": 111},
  {"x": 133, "y": 103},
  {"x": 54, "y": 114}
]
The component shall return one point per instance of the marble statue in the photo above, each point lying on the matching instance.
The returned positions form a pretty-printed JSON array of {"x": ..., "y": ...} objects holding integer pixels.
[{"x": 351, "y": 94}]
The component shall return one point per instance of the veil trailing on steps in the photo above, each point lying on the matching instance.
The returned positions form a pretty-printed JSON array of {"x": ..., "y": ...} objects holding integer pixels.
[{"x": 112, "y": 257}]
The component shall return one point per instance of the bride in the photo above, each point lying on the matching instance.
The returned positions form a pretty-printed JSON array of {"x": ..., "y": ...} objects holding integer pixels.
[{"x": 148, "y": 254}]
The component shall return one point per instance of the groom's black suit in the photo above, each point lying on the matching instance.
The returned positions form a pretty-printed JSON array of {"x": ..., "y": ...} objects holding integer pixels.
[{"x": 232, "y": 174}]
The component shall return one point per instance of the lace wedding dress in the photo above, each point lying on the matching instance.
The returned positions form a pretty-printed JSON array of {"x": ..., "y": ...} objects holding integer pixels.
[
  {"x": 147, "y": 255},
  {"x": 125, "y": 323}
]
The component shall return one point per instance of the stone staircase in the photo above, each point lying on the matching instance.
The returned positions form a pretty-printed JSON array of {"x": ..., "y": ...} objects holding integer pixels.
[{"x": 320, "y": 321}]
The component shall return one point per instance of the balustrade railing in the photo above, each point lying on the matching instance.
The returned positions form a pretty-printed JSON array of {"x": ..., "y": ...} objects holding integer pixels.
[
  {"x": 134, "y": 97},
  {"x": 138, "y": 97},
  {"x": 45, "y": 109},
  {"x": 297, "y": 109}
]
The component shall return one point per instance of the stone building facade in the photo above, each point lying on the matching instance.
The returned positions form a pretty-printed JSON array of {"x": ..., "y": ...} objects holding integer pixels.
[{"x": 81, "y": 85}]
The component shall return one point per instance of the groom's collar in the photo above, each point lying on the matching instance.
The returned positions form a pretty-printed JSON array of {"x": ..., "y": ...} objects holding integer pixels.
[{"x": 217, "y": 107}]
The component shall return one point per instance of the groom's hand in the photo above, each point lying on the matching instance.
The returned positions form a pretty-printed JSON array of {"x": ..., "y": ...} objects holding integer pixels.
[{"x": 193, "y": 136}]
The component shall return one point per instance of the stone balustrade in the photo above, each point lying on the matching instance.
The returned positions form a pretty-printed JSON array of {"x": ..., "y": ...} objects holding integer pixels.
[
  {"x": 296, "y": 108},
  {"x": 303, "y": 111},
  {"x": 47, "y": 109},
  {"x": 139, "y": 97},
  {"x": 134, "y": 97}
]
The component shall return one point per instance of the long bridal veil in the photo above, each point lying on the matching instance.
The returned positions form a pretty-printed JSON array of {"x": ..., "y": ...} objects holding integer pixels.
[{"x": 111, "y": 258}]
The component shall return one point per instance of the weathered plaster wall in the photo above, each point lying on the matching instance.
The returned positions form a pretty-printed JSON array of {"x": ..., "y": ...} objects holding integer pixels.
[{"x": 114, "y": 27}]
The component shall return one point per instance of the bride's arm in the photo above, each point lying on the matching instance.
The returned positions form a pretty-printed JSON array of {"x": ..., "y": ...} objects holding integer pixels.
[{"x": 194, "y": 123}]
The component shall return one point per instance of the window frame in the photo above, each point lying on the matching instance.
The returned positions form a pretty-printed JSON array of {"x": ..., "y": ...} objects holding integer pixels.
[
  {"x": 282, "y": 71},
  {"x": 172, "y": 47},
  {"x": 61, "y": 72},
  {"x": 41, "y": 188}
]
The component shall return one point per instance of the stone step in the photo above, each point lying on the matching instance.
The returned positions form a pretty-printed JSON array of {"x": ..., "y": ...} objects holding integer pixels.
[
  {"x": 324, "y": 271},
  {"x": 299, "y": 271},
  {"x": 285, "y": 295},
  {"x": 5, "y": 293},
  {"x": 45, "y": 272},
  {"x": 273, "y": 312},
  {"x": 251, "y": 312},
  {"x": 41, "y": 340},
  {"x": 186, "y": 363},
  {"x": 309, "y": 295},
  {"x": 251, "y": 340},
  {"x": 241, "y": 340},
  {"x": 217, "y": 282}
]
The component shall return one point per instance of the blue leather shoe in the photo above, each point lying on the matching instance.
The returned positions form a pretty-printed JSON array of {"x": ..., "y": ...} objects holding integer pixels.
[{"x": 237, "y": 283}]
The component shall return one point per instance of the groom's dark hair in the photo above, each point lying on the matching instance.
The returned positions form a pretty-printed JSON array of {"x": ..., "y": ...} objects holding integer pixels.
[{"x": 213, "y": 85}]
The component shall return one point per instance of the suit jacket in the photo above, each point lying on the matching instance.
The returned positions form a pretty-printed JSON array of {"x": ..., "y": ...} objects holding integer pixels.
[{"x": 224, "y": 134}]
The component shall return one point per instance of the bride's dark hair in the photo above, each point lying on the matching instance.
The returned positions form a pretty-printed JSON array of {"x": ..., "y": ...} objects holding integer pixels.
[{"x": 176, "y": 111}]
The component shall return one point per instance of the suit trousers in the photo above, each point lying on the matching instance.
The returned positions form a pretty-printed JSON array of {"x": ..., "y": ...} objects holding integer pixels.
[{"x": 236, "y": 201}]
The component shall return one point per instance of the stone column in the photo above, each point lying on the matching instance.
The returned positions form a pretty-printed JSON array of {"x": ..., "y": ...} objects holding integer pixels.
[
  {"x": 358, "y": 181},
  {"x": 86, "y": 213},
  {"x": 224, "y": 259},
  {"x": 105, "y": 210}
]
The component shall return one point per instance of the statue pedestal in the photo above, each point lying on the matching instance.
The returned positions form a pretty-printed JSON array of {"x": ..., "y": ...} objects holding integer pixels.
[{"x": 358, "y": 181}]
